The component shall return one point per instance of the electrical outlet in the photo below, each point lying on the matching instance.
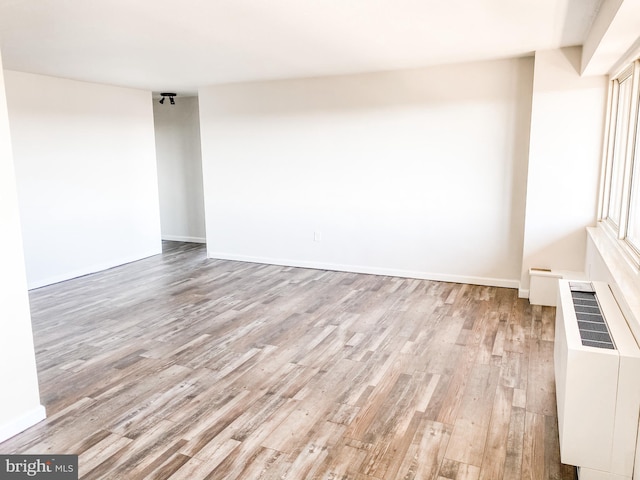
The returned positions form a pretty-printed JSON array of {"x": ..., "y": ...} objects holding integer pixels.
[{"x": 317, "y": 236}]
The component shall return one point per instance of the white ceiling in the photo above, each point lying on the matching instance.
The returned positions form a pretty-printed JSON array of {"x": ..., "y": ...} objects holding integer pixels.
[{"x": 178, "y": 46}]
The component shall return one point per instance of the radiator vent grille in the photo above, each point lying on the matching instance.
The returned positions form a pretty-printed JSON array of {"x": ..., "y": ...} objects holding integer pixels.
[{"x": 591, "y": 323}]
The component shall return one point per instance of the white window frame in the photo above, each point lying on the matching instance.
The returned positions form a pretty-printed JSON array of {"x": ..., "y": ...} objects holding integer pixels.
[{"x": 618, "y": 231}]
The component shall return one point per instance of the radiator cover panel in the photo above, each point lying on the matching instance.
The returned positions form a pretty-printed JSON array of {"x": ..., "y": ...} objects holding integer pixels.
[{"x": 597, "y": 384}]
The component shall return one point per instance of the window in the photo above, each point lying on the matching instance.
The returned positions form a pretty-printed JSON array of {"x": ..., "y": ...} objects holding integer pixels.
[
  {"x": 620, "y": 136},
  {"x": 633, "y": 228},
  {"x": 620, "y": 208}
]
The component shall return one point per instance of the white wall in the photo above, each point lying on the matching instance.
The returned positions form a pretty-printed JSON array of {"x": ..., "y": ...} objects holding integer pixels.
[
  {"x": 417, "y": 173},
  {"x": 177, "y": 130},
  {"x": 567, "y": 124},
  {"x": 19, "y": 402},
  {"x": 86, "y": 175}
]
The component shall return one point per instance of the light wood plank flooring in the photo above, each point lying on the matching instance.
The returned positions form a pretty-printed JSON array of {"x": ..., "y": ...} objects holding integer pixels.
[{"x": 182, "y": 367}]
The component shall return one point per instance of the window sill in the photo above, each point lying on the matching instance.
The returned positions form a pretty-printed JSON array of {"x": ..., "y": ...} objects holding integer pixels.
[{"x": 624, "y": 277}]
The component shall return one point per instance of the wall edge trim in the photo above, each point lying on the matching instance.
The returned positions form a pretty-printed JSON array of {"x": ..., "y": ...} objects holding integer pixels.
[
  {"x": 99, "y": 267},
  {"x": 181, "y": 238},
  {"x": 23, "y": 422},
  {"x": 370, "y": 270}
]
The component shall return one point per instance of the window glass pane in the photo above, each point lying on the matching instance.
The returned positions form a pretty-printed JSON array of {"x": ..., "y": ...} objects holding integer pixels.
[
  {"x": 619, "y": 148},
  {"x": 633, "y": 227},
  {"x": 633, "y": 235}
]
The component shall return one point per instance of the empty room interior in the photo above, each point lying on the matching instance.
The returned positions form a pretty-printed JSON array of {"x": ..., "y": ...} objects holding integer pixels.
[{"x": 321, "y": 240}]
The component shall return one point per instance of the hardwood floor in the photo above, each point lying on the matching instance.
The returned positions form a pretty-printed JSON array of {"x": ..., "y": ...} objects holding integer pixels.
[{"x": 182, "y": 367}]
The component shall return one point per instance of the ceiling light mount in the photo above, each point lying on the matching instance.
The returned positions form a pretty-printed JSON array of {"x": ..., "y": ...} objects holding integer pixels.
[{"x": 168, "y": 95}]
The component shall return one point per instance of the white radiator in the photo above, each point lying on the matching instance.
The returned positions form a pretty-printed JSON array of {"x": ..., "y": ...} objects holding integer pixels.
[{"x": 597, "y": 369}]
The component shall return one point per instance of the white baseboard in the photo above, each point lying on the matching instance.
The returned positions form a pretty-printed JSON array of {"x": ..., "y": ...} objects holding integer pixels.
[
  {"x": 20, "y": 424},
  {"x": 440, "y": 277},
  {"x": 523, "y": 293},
  {"x": 43, "y": 282},
  {"x": 179, "y": 238}
]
